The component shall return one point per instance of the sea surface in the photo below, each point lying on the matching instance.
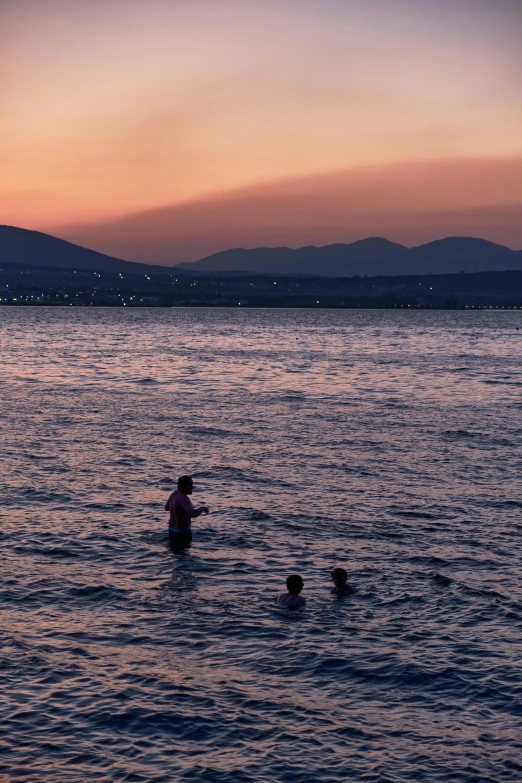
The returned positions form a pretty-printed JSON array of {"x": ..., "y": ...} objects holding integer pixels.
[{"x": 385, "y": 442}]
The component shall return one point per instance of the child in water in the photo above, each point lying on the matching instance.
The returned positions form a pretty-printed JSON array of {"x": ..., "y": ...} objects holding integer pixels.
[
  {"x": 340, "y": 580},
  {"x": 292, "y": 599}
]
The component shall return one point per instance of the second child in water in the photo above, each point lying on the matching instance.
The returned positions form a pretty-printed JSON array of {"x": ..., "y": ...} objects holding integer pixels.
[{"x": 340, "y": 580}]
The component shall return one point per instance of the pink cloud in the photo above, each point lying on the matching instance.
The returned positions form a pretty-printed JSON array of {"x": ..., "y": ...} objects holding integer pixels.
[{"x": 407, "y": 203}]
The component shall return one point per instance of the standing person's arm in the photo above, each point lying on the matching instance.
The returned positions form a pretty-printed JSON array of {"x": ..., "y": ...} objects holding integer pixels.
[{"x": 192, "y": 512}]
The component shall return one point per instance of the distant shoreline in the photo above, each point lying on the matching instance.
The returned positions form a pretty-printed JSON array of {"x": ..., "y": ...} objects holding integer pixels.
[
  {"x": 33, "y": 284},
  {"x": 203, "y": 306}
]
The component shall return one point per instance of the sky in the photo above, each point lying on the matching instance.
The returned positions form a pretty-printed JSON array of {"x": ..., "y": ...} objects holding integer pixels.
[{"x": 167, "y": 129}]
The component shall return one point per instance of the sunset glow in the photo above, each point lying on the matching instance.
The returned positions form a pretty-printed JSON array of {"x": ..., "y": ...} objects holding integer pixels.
[{"x": 114, "y": 108}]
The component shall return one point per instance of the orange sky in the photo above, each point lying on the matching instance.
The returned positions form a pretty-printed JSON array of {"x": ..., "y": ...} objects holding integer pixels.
[{"x": 116, "y": 107}]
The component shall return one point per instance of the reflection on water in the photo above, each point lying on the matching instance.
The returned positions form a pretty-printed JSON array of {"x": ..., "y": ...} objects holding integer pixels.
[{"x": 387, "y": 442}]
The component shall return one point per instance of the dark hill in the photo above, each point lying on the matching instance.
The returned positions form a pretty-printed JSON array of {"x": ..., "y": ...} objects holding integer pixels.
[
  {"x": 372, "y": 256},
  {"x": 20, "y": 246},
  {"x": 455, "y": 254},
  {"x": 332, "y": 260}
]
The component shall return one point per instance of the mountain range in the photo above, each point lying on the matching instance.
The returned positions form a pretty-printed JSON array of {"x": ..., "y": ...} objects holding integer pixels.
[{"x": 370, "y": 257}]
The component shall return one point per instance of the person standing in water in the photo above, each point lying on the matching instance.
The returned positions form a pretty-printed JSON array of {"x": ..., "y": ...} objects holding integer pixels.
[{"x": 181, "y": 513}]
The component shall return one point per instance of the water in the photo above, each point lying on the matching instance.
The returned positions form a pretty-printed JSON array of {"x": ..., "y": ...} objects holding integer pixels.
[{"x": 387, "y": 442}]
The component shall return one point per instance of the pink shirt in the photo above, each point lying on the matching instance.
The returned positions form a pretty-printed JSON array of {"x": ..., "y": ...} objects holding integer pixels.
[{"x": 181, "y": 511}]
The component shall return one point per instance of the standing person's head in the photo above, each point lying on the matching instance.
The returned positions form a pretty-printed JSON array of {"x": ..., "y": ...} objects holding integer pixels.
[
  {"x": 340, "y": 578},
  {"x": 294, "y": 584},
  {"x": 185, "y": 485}
]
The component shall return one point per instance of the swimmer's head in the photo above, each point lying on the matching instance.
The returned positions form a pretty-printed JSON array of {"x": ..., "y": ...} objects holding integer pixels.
[
  {"x": 339, "y": 577},
  {"x": 185, "y": 485},
  {"x": 294, "y": 584}
]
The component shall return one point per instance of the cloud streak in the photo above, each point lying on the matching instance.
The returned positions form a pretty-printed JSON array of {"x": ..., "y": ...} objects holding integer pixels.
[{"x": 408, "y": 203}]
